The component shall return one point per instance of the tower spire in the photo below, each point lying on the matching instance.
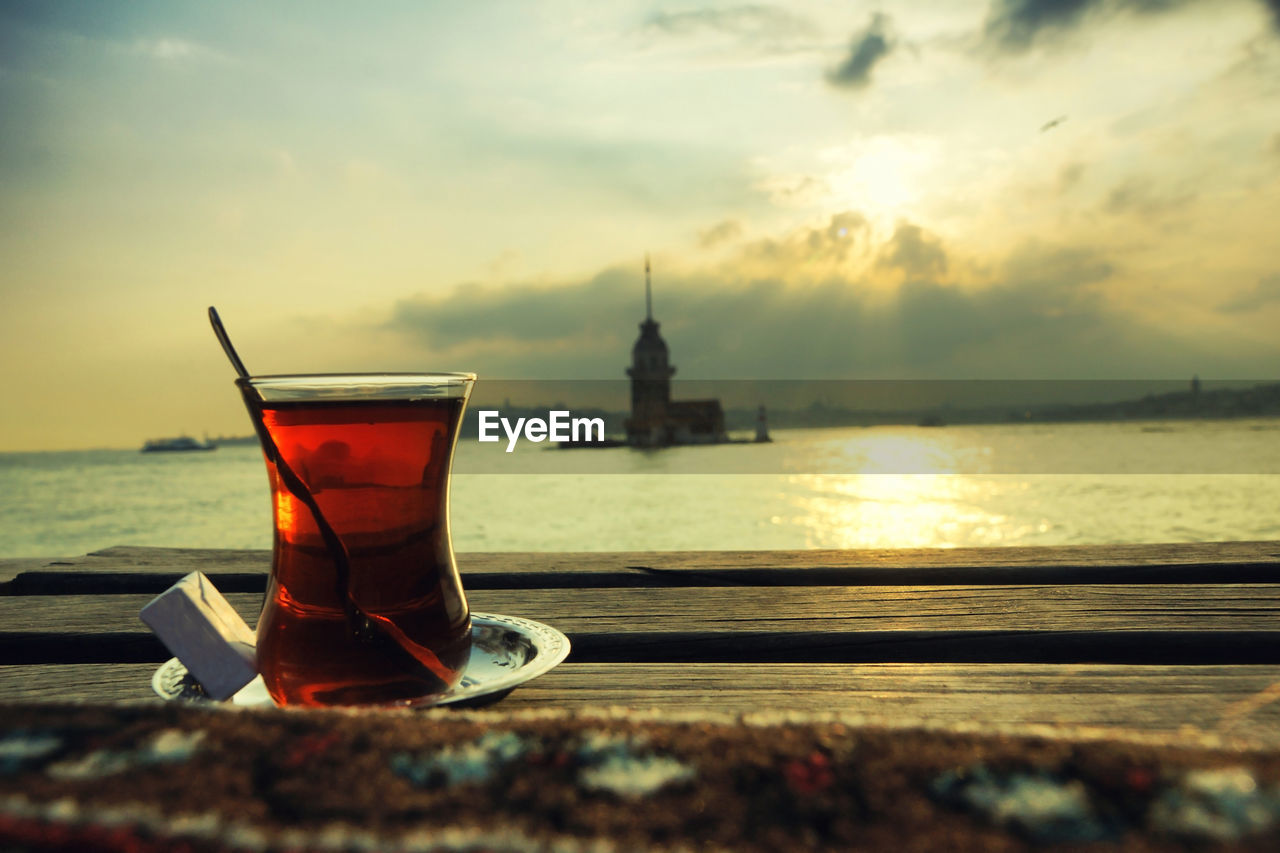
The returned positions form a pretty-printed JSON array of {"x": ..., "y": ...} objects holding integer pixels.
[{"x": 648, "y": 295}]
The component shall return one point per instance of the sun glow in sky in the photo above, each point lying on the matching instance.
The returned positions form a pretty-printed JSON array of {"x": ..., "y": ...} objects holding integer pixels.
[{"x": 986, "y": 188}]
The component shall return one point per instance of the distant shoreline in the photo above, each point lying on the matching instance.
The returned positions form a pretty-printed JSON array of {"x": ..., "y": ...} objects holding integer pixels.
[
  {"x": 1259, "y": 401},
  {"x": 1225, "y": 404}
]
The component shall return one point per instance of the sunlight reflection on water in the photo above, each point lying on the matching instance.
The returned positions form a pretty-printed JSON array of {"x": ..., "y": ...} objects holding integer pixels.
[
  {"x": 898, "y": 510},
  {"x": 899, "y": 452},
  {"x": 906, "y": 494}
]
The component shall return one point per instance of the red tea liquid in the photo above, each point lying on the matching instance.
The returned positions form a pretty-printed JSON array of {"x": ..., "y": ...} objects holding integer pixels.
[{"x": 379, "y": 471}]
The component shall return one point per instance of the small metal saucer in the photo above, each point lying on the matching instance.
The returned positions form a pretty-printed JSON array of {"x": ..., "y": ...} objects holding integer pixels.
[{"x": 506, "y": 651}]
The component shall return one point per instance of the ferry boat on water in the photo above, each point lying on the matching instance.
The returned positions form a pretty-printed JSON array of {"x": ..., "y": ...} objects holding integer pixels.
[{"x": 179, "y": 444}]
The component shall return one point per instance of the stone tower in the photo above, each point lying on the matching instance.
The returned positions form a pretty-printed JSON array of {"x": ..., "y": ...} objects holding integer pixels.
[{"x": 650, "y": 374}]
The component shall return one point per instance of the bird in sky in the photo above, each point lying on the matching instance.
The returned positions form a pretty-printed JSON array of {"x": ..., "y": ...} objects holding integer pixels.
[{"x": 1050, "y": 125}]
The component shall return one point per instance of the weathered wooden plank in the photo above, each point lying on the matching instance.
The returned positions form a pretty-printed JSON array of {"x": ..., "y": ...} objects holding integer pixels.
[
  {"x": 1154, "y": 623},
  {"x": 1241, "y": 701},
  {"x": 84, "y": 682},
  {"x": 12, "y": 567},
  {"x": 1081, "y": 607},
  {"x": 135, "y": 569},
  {"x": 1235, "y": 700},
  {"x": 902, "y": 646}
]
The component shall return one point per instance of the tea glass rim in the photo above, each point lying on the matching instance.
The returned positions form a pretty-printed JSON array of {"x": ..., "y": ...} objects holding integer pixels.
[{"x": 381, "y": 385}]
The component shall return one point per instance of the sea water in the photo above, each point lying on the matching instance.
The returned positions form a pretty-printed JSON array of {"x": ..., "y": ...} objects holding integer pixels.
[{"x": 1014, "y": 484}]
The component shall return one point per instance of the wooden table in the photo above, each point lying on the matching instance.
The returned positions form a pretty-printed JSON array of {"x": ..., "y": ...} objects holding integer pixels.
[{"x": 1154, "y": 638}]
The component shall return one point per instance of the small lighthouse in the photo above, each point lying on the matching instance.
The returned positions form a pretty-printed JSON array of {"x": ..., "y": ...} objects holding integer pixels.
[
  {"x": 650, "y": 373},
  {"x": 657, "y": 420}
]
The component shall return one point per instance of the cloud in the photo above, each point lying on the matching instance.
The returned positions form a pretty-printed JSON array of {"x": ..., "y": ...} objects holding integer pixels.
[
  {"x": 1266, "y": 292},
  {"x": 1015, "y": 26},
  {"x": 805, "y": 251},
  {"x": 721, "y": 232},
  {"x": 762, "y": 27},
  {"x": 794, "y": 190},
  {"x": 1274, "y": 7},
  {"x": 1069, "y": 176},
  {"x": 1141, "y": 196},
  {"x": 168, "y": 48},
  {"x": 915, "y": 252},
  {"x": 867, "y": 49},
  {"x": 1041, "y": 312},
  {"x": 527, "y": 315}
]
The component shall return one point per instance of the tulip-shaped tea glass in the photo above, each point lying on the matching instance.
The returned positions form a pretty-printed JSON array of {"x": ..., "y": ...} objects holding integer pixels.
[{"x": 364, "y": 604}]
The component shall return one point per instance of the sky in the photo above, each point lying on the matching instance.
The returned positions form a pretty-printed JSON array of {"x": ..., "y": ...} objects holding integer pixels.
[{"x": 995, "y": 189}]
